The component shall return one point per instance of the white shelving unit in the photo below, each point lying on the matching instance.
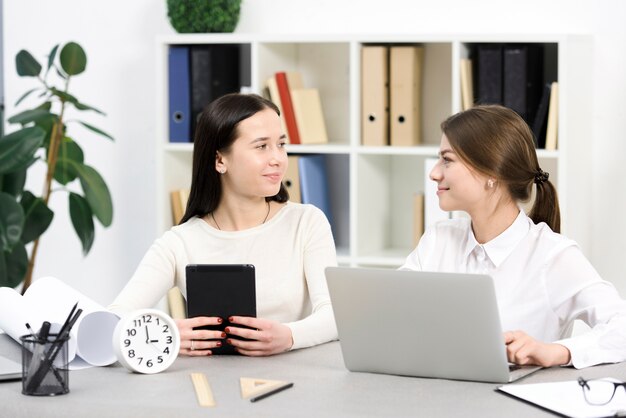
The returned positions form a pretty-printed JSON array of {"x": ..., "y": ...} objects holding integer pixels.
[{"x": 371, "y": 188}]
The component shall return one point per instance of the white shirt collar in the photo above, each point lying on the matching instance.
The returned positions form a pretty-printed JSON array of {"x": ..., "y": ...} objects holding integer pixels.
[{"x": 499, "y": 248}]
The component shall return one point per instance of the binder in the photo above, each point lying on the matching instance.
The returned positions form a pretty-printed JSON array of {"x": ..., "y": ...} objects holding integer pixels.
[
  {"x": 523, "y": 75},
  {"x": 178, "y": 90},
  {"x": 405, "y": 79},
  {"x": 432, "y": 212},
  {"x": 467, "y": 89},
  {"x": 307, "y": 108},
  {"x": 292, "y": 179},
  {"x": 314, "y": 182},
  {"x": 285, "y": 100},
  {"x": 272, "y": 88},
  {"x": 179, "y": 204},
  {"x": 214, "y": 72},
  {"x": 541, "y": 117},
  {"x": 375, "y": 95},
  {"x": 553, "y": 118},
  {"x": 489, "y": 77}
]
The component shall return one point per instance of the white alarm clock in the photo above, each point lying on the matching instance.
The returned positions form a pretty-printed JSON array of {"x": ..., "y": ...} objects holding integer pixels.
[{"x": 146, "y": 341}]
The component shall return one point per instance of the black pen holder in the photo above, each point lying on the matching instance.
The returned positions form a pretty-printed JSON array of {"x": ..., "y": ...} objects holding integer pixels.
[{"x": 45, "y": 370}]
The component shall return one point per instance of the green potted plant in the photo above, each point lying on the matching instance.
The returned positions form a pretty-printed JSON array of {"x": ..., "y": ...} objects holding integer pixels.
[
  {"x": 202, "y": 16},
  {"x": 43, "y": 137}
]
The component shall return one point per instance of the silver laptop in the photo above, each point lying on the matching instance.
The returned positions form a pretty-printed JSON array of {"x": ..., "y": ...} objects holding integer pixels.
[
  {"x": 441, "y": 325},
  {"x": 10, "y": 370}
]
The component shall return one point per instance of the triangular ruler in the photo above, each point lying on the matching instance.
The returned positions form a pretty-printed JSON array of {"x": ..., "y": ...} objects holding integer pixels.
[{"x": 252, "y": 387}]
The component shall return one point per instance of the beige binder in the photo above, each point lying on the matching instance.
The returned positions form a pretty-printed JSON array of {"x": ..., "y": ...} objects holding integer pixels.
[
  {"x": 292, "y": 179},
  {"x": 179, "y": 204},
  {"x": 375, "y": 95},
  {"x": 307, "y": 107},
  {"x": 552, "y": 131},
  {"x": 405, "y": 77},
  {"x": 467, "y": 89},
  {"x": 418, "y": 217}
]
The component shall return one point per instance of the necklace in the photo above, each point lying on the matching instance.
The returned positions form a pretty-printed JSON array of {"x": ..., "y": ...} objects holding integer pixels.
[{"x": 265, "y": 219}]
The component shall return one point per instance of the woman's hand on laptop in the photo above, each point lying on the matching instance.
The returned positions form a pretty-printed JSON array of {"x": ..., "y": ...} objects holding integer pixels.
[
  {"x": 523, "y": 349},
  {"x": 266, "y": 337},
  {"x": 193, "y": 342}
]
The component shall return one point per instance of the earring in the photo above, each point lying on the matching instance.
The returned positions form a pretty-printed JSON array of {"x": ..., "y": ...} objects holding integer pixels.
[
  {"x": 222, "y": 170},
  {"x": 490, "y": 183}
]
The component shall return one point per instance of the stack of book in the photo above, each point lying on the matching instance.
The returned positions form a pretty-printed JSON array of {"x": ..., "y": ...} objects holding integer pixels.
[{"x": 300, "y": 108}]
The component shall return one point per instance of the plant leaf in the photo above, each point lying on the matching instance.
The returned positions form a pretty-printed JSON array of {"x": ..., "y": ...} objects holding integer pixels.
[
  {"x": 69, "y": 151},
  {"x": 66, "y": 97},
  {"x": 26, "y": 64},
  {"x": 13, "y": 183},
  {"x": 31, "y": 115},
  {"x": 17, "y": 149},
  {"x": 37, "y": 217},
  {"x": 73, "y": 59},
  {"x": 82, "y": 219},
  {"x": 96, "y": 130},
  {"x": 13, "y": 266},
  {"x": 25, "y": 95},
  {"x": 82, "y": 106},
  {"x": 53, "y": 54},
  {"x": 96, "y": 193},
  {"x": 60, "y": 74},
  {"x": 11, "y": 221}
]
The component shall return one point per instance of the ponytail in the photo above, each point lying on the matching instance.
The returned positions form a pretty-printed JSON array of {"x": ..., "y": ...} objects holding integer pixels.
[{"x": 546, "y": 205}]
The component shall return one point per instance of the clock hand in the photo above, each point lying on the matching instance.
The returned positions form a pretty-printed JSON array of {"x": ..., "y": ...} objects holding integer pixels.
[{"x": 147, "y": 336}]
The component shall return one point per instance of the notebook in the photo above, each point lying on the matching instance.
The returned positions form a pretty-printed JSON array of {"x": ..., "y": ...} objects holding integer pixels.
[
  {"x": 424, "y": 324},
  {"x": 10, "y": 370}
]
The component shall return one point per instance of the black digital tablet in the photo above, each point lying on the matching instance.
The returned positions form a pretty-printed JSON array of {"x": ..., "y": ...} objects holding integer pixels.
[{"x": 221, "y": 290}]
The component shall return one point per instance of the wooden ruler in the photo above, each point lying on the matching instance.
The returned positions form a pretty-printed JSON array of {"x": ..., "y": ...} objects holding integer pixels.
[{"x": 203, "y": 390}]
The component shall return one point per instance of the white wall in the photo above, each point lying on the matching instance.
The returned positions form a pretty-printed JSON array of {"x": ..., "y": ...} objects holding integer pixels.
[{"x": 119, "y": 39}]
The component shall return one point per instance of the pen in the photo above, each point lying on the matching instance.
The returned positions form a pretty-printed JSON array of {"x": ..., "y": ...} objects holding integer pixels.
[
  {"x": 271, "y": 392},
  {"x": 30, "y": 329}
]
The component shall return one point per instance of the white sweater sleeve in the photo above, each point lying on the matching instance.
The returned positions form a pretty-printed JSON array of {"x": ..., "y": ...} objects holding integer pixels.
[
  {"x": 319, "y": 253},
  {"x": 154, "y": 276}
]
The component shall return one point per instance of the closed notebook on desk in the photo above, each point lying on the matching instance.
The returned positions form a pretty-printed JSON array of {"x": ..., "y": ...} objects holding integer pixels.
[{"x": 10, "y": 370}]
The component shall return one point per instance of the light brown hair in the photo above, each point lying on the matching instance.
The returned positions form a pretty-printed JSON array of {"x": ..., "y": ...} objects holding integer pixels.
[{"x": 496, "y": 142}]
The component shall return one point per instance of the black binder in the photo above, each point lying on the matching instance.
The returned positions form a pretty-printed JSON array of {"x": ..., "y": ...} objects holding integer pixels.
[
  {"x": 523, "y": 79},
  {"x": 540, "y": 122},
  {"x": 215, "y": 71},
  {"x": 489, "y": 73}
]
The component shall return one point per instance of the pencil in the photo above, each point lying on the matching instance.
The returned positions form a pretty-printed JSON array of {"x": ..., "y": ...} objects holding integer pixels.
[{"x": 271, "y": 392}]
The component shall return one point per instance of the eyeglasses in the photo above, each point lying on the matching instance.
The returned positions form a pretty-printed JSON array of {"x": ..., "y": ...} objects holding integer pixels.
[{"x": 599, "y": 392}]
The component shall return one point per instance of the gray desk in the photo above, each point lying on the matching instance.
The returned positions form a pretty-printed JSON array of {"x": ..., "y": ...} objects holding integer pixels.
[{"x": 322, "y": 388}]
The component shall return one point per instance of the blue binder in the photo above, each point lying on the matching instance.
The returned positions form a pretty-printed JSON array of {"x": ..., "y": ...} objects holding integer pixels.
[
  {"x": 179, "y": 92},
  {"x": 314, "y": 183}
]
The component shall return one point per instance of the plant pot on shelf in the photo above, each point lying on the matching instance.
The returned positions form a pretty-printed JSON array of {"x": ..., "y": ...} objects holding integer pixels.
[{"x": 203, "y": 16}]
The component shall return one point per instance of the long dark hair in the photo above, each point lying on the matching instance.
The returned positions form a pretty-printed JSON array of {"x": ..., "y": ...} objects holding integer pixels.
[
  {"x": 216, "y": 130},
  {"x": 496, "y": 142}
]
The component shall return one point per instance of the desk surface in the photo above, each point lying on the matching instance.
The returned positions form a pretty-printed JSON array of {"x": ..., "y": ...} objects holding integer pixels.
[{"x": 322, "y": 387}]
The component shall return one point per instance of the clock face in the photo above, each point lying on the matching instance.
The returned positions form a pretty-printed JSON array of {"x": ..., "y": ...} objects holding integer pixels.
[{"x": 146, "y": 341}]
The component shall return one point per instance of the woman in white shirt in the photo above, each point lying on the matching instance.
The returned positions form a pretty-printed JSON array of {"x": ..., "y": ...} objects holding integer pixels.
[
  {"x": 487, "y": 166},
  {"x": 238, "y": 212}
]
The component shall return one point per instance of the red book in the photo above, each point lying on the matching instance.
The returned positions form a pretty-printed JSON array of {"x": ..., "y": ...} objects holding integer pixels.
[{"x": 285, "y": 100}]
